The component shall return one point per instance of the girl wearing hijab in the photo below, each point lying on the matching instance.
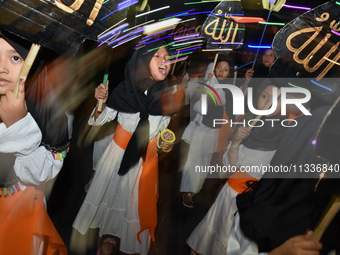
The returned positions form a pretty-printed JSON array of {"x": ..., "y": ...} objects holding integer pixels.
[
  {"x": 215, "y": 233},
  {"x": 27, "y": 156},
  {"x": 202, "y": 137},
  {"x": 122, "y": 199}
]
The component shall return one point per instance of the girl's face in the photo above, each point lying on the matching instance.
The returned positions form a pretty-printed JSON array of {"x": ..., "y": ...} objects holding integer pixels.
[
  {"x": 265, "y": 97},
  {"x": 10, "y": 65},
  {"x": 222, "y": 70},
  {"x": 268, "y": 58},
  {"x": 159, "y": 71}
]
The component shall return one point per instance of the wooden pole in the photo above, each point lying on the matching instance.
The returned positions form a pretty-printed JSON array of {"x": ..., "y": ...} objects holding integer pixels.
[
  {"x": 330, "y": 212},
  {"x": 215, "y": 60},
  {"x": 26, "y": 67}
]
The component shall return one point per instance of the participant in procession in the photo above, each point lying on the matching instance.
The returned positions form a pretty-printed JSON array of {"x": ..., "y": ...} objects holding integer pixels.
[
  {"x": 202, "y": 139},
  {"x": 30, "y": 156},
  {"x": 122, "y": 199},
  {"x": 248, "y": 147}
]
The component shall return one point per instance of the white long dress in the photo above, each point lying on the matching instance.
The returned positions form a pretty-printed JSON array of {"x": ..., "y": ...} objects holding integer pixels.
[
  {"x": 203, "y": 143},
  {"x": 219, "y": 231},
  {"x": 111, "y": 203}
]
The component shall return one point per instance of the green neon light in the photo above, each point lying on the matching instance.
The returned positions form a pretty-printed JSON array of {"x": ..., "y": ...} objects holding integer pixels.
[
  {"x": 272, "y": 23},
  {"x": 296, "y": 86},
  {"x": 174, "y": 16},
  {"x": 182, "y": 54}
]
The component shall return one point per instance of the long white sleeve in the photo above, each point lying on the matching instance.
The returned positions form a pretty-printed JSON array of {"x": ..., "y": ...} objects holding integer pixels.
[
  {"x": 105, "y": 116},
  {"x": 34, "y": 164}
]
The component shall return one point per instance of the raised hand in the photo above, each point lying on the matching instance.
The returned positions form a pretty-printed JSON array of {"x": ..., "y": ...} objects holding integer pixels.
[
  {"x": 298, "y": 245},
  {"x": 242, "y": 133},
  {"x": 102, "y": 92},
  {"x": 13, "y": 108}
]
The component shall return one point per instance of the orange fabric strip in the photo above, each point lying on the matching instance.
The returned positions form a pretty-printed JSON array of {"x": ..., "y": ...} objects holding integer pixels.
[
  {"x": 23, "y": 214},
  {"x": 122, "y": 137},
  {"x": 148, "y": 191},
  {"x": 238, "y": 181}
]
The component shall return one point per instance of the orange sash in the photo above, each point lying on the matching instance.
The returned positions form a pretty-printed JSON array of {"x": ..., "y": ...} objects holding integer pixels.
[
  {"x": 148, "y": 183},
  {"x": 23, "y": 215},
  {"x": 238, "y": 181}
]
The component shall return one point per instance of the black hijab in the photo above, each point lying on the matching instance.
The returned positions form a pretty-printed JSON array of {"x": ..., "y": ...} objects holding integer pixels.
[
  {"x": 268, "y": 136},
  {"x": 129, "y": 96},
  {"x": 280, "y": 208}
]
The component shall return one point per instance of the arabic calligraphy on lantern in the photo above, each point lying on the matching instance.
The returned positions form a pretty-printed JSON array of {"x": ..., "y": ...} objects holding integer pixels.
[
  {"x": 316, "y": 31},
  {"x": 76, "y": 6},
  {"x": 218, "y": 36}
]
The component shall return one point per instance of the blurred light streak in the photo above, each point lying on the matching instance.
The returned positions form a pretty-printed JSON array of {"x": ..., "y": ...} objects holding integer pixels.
[
  {"x": 296, "y": 7},
  {"x": 125, "y": 4},
  {"x": 154, "y": 28},
  {"x": 334, "y": 32},
  {"x": 186, "y": 36},
  {"x": 295, "y": 86},
  {"x": 216, "y": 49},
  {"x": 157, "y": 40},
  {"x": 127, "y": 35},
  {"x": 187, "y": 20},
  {"x": 154, "y": 49},
  {"x": 185, "y": 46},
  {"x": 149, "y": 36},
  {"x": 188, "y": 40},
  {"x": 244, "y": 65},
  {"x": 338, "y": 3},
  {"x": 272, "y": 23},
  {"x": 202, "y": 2},
  {"x": 248, "y": 19},
  {"x": 172, "y": 16},
  {"x": 259, "y": 46},
  {"x": 179, "y": 13},
  {"x": 179, "y": 55},
  {"x": 196, "y": 41},
  {"x": 112, "y": 26},
  {"x": 181, "y": 31},
  {"x": 321, "y": 85},
  {"x": 138, "y": 25},
  {"x": 174, "y": 61},
  {"x": 115, "y": 35},
  {"x": 182, "y": 48},
  {"x": 180, "y": 51},
  {"x": 159, "y": 9},
  {"x": 104, "y": 36},
  {"x": 120, "y": 7},
  {"x": 127, "y": 40}
]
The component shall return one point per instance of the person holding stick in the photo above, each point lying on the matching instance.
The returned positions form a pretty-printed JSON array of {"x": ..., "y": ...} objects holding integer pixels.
[
  {"x": 262, "y": 70},
  {"x": 258, "y": 146},
  {"x": 27, "y": 159},
  {"x": 202, "y": 139},
  {"x": 122, "y": 199}
]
